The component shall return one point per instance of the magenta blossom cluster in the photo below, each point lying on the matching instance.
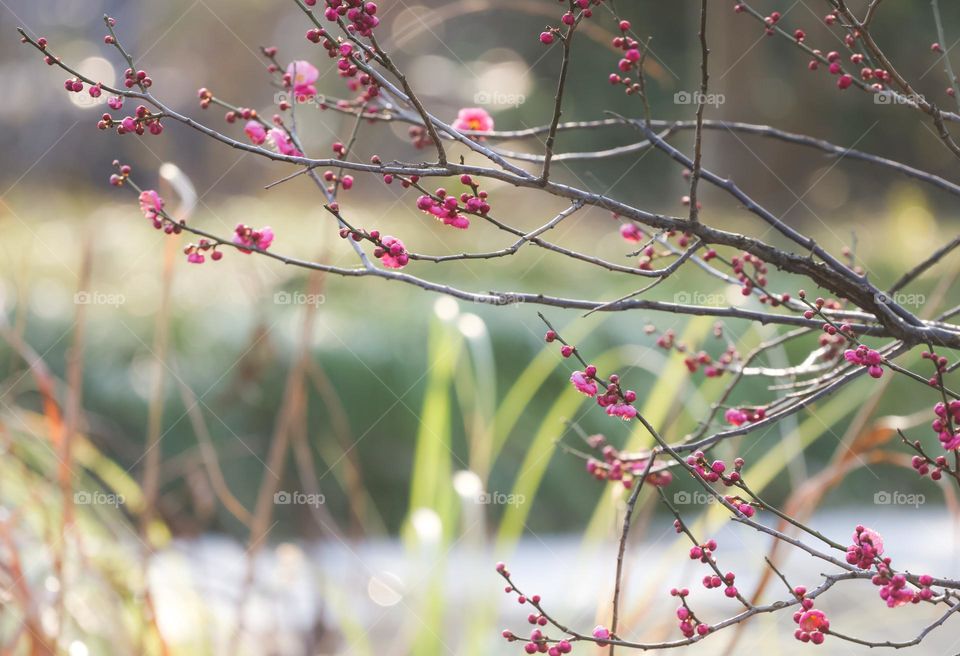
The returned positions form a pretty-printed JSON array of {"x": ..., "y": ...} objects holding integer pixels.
[
  {"x": 866, "y": 357},
  {"x": 711, "y": 368},
  {"x": 196, "y": 252},
  {"x": 244, "y": 235},
  {"x": 360, "y": 16},
  {"x": 630, "y": 61},
  {"x": 947, "y": 419},
  {"x": 713, "y": 581},
  {"x": 866, "y": 552},
  {"x": 866, "y": 548},
  {"x": 741, "y": 416},
  {"x": 300, "y": 77},
  {"x": 718, "y": 472},
  {"x": 538, "y": 641},
  {"x": 614, "y": 400},
  {"x": 615, "y": 465},
  {"x": 448, "y": 209},
  {"x": 347, "y": 66},
  {"x": 141, "y": 122},
  {"x": 569, "y": 19},
  {"x": 702, "y": 552},
  {"x": 812, "y": 623},
  {"x": 151, "y": 204},
  {"x": 392, "y": 253},
  {"x": 689, "y": 623}
]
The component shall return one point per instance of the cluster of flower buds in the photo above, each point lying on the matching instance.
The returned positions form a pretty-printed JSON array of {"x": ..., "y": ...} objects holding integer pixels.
[
  {"x": 538, "y": 641},
  {"x": 392, "y": 253},
  {"x": 711, "y": 368},
  {"x": 123, "y": 172},
  {"x": 866, "y": 357},
  {"x": 73, "y": 85},
  {"x": 689, "y": 624},
  {"x": 940, "y": 364},
  {"x": 449, "y": 209},
  {"x": 717, "y": 471},
  {"x": 151, "y": 204},
  {"x": 866, "y": 552},
  {"x": 245, "y": 236},
  {"x": 206, "y": 97},
  {"x": 702, "y": 552},
  {"x": 360, "y": 16},
  {"x": 615, "y": 400},
  {"x": 759, "y": 272},
  {"x": 630, "y": 61},
  {"x": 668, "y": 339},
  {"x": 922, "y": 464},
  {"x": 712, "y": 581},
  {"x": 945, "y": 426},
  {"x": 812, "y": 624},
  {"x": 714, "y": 471},
  {"x": 141, "y": 122},
  {"x": 389, "y": 250},
  {"x": 570, "y": 19},
  {"x": 196, "y": 252},
  {"x": 133, "y": 78},
  {"x": 616, "y": 465},
  {"x": 741, "y": 416},
  {"x": 866, "y": 548}
]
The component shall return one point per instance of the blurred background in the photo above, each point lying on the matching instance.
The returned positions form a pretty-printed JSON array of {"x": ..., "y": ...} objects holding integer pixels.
[{"x": 423, "y": 433}]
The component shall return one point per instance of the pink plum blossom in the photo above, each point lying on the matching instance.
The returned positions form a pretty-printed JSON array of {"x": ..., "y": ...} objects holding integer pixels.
[
  {"x": 393, "y": 254},
  {"x": 583, "y": 384},
  {"x": 151, "y": 204},
  {"x": 256, "y": 132},
  {"x": 473, "y": 118},
  {"x": 244, "y": 235},
  {"x": 302, "y": 76},
  {"x": 283, "y": 143}
]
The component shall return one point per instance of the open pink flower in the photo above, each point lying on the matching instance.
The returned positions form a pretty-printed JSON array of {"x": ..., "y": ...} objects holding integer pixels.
[
  {"x": 866, "y": 548},
  {"x": 244, "y": 235},
  {"x": 283, "y": 143},
  {"x": 256, "y": 132},
  {"x": 583, "y": 384},
  {"x": 151, "y": 204},
  {"x": 302, "y": 76},
  {"x": 473, "y": 118},
  {"x": 623, "y": 410},
  {"x": 446, "y": 211},
  {"x": 813, "y": 620},
  {"x": 393, "y": 254}
]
